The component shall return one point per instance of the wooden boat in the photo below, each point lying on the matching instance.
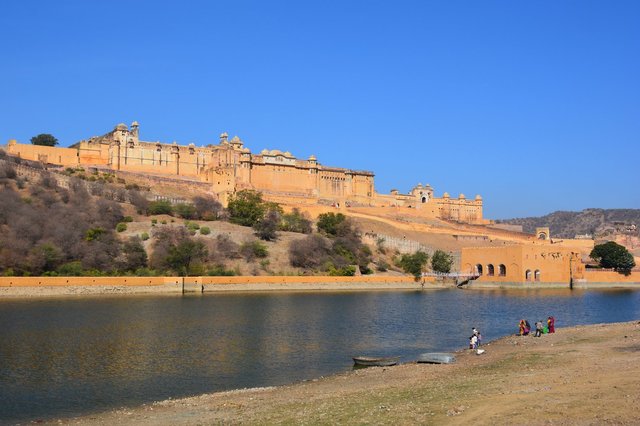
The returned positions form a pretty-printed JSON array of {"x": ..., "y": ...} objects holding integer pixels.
[
  {"x": 437, "y": 358},
  {"x": 369, "y": 361}
]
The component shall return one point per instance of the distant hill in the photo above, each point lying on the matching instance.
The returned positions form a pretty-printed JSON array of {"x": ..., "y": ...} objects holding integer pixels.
[{"x": 589, "y": 221}]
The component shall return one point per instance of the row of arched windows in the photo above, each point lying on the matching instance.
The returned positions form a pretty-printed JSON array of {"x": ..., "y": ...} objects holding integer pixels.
[
  {"x": 528, "y": 275},
  {"x": 491, "y": 271}
]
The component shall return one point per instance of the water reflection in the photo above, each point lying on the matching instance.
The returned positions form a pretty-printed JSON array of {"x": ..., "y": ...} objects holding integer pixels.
[{"x": 65, "y": 357}]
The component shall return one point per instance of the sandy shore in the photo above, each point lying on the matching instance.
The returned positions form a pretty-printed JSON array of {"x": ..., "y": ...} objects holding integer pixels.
[{"x": 579, "y": 375}]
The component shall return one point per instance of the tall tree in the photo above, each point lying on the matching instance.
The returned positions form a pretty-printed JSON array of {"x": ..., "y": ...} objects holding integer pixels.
[
  {"x": 183, "y": 255},
  {"x": 44, "y": 139},
  {"x": 414, "y": 263},
  {"x": 613, "y": 255},
  {"x": 441, "y": 262}
]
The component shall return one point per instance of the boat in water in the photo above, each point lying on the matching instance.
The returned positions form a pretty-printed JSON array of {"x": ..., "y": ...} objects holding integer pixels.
[
  {"x": 369, "y": 361},
  {"x": 437, "y": 358}
]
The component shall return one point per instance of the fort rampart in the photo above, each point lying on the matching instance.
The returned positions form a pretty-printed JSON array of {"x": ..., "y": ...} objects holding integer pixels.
[
  {"x": 229, "y": 166},
  {"x": 26, "y": 287}
]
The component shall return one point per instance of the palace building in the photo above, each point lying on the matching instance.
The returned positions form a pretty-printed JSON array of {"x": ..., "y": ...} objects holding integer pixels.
[{"x": 229, "y": 166}]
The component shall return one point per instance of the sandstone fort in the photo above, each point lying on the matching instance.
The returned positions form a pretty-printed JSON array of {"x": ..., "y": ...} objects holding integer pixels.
[{"x": 229, "y": 166}]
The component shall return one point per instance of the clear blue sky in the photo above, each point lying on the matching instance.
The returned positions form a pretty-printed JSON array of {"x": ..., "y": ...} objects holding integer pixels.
[{"x": 534, "y": 105}]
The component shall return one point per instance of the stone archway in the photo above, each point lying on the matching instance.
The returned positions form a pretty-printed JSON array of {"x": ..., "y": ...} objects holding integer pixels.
[
  {"x": 502, "y": 270},
  {"x": 490, "y": 270}
]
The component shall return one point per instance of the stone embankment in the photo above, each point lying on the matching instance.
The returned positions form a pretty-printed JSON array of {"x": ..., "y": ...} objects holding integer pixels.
[
  {"x": 70, "y": 286},
  {"x": 74, "y": 286}
]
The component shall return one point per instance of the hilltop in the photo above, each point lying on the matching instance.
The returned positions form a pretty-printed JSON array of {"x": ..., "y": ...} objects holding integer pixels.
[{"x": 594, "y": 222}]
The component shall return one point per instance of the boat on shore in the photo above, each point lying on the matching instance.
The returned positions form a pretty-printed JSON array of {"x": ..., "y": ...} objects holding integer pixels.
[
  {"x": 437, "y": 358},
  {"x": 369, "y": 361}
]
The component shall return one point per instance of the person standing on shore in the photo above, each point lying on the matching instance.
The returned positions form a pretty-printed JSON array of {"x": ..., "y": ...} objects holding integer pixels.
[
  {"x": 538, "y": 328},
  {"x": 476, "y": 333},
  {"x": 473, "y": 342},
  {"x": 551, "y": 324}
]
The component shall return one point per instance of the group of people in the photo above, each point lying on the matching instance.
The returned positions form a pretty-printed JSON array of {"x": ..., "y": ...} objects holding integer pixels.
[
  {"x": 476, "y": 339},
  {"x": 541, "y": 329}
]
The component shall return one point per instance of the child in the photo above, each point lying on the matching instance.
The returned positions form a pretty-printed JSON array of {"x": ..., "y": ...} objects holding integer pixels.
[{"x": 473, "y": 342}]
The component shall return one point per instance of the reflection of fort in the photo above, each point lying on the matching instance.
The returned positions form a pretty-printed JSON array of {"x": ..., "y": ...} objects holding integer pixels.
[{"x": 229, "y": 166}]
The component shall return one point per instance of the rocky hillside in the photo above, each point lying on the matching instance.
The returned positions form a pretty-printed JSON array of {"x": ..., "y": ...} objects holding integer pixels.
[{"x": 595, "y": 222}]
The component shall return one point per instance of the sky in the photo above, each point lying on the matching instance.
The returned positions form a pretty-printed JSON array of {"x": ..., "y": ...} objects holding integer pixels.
[{"x": 533, "y": 105}]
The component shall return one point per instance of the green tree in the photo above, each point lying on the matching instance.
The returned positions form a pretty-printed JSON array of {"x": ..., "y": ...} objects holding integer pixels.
[
  {"x": 296, "y": 222},
  {"x": 44, "y": 139},
  {"x": 414, "y": 263},
  {"x": 185, "y": 211},
  {"x": 441, "y": 262},
  {"x": 246, "y": 207},
  {"x": 160, "y": 207},
  {"x": 252, "y": 249},
  {"x": 613, "y": 255},
  {"x": 183, "y": 255},
  {"x": 329, "y": 223}
]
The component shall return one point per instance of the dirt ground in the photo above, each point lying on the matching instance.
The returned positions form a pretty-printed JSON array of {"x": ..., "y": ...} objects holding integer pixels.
[{"x": 577, "y": 376}]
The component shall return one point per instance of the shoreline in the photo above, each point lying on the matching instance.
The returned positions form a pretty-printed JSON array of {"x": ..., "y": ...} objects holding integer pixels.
[
  {"x": 36, "y": 287},
  {"x": 518, "y": 380}
]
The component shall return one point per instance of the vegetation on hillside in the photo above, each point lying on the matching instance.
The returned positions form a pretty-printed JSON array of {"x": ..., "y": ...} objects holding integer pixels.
[
  {"x": 80, "y": 228},
  {"x": 563, "y": 224},
  {"x": 337, "y": 250}
]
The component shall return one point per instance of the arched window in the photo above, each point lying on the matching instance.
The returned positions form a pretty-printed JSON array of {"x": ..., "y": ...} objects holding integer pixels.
[
  {"x": 424, "y": 199},
  {"x": 537, "y": 275},
  {"x": 527, "y": 275},
  {"x": 490, "y": 270},
  {"x": 479, "y": 269},
  {"x": 502, "y": 270}
]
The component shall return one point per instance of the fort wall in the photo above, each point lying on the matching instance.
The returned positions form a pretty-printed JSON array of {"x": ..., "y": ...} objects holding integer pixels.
[
  {"x": 229, "y": 167},
  {"x": 28, "y": 287}
]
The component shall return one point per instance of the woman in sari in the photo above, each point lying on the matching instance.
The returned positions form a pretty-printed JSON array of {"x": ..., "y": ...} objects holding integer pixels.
[{"x": 551, "y": 324}]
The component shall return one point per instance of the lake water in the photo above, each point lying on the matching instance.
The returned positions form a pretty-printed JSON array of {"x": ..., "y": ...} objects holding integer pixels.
[{"x": 64, "y": 357}]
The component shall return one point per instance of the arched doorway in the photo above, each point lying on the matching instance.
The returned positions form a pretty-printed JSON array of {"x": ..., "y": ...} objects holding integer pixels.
[
  {"x": 479, "y": 269},
  {"x": 527, "y": 275},
  {"x": 490, "y": 270},
  {"x": 537, "y": 275},
  {"x": 502, "y": 270}
]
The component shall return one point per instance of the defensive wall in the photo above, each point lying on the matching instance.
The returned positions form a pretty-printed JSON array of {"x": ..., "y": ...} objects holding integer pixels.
[
  {"x": 27, "y": 287},
  {"x": 229, "y": 166},
  {"x": 68, "y": 286}
]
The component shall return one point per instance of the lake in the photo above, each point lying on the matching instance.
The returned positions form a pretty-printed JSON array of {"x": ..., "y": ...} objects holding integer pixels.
[{"x": 65, "y": 357}]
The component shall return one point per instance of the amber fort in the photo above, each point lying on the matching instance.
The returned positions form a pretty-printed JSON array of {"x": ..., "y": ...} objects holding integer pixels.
[{"x": 229, "y": 166}]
